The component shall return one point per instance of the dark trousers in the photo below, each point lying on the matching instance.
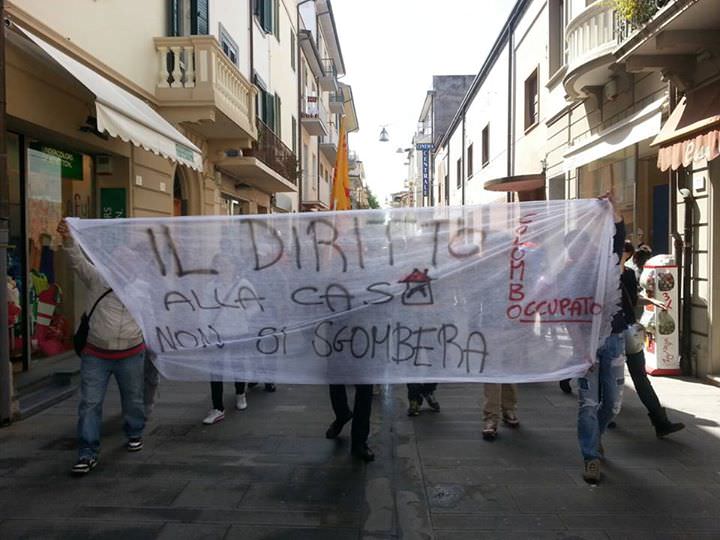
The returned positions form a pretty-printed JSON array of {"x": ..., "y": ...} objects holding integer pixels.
[
  {"x": 360, "y": 413},
  {"x": 216, "y": 389},
  {"x": 646, "y": 393},
  {"x": 417, "y": 390}
]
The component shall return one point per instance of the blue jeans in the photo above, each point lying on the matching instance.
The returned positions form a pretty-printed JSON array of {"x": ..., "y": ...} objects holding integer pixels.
[
  {"x": 599, "y": 393},
  {"x": 94, "y": 376}
]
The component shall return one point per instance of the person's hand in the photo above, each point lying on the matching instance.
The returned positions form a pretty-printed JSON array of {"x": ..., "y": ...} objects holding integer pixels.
[
  {"x": 64, "y": 231},
  {"x": 610, "y": 197}
]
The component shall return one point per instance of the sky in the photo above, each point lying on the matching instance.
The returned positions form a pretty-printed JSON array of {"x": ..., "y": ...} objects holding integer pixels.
[{"x": 392, "y": 48}]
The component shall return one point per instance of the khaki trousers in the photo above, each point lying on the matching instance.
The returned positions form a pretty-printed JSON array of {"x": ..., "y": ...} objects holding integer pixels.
[{"x": 499, "y": 398}]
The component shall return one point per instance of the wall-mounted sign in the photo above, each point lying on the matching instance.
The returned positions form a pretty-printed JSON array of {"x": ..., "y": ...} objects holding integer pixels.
[
  {"x": 424, "y": 146},
  {"x": 113, "y": 203},
  {"x": 426, "y": 172}
]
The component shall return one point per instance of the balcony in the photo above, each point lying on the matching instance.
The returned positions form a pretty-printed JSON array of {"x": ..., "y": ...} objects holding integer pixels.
[
  {"x": 199, "y": 85},
  {"x": 328, "y": 81},
  {"x": 316, "y": 193},
  {"x": 337, "y": 103},
  {"x": 269, "y": 165},
  {"x": 329, "y": 143},
  {"x": 591, "y": 39},
  {"x": 313, "y": 116},
  {"x": 627, "y": 27}
]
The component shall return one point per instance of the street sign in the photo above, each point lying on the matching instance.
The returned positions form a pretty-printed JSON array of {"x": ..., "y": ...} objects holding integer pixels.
[
  {"x": 426, "y": 172},
  {"x": 424, "y": 146}
]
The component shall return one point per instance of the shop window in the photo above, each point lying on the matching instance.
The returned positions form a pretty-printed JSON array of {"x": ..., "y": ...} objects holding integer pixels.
[
  {"x": 615, "y": 173},
  {"x": 59, "y": 183}
]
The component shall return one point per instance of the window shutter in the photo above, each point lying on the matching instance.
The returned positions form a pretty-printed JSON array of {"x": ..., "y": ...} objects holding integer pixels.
[
  {"x": 278, "y": 116},
  {"x": 270, "y": 111},
  {"x": 173, "y": 18},
  {"x": 200, "y": 24},
  {"x": 276, "y": 19},
  {"x": 266, "y": 16}
]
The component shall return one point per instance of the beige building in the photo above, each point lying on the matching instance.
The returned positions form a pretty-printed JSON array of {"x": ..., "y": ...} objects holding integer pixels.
[
  {"x": 585, "y": 93},
  {"x": 145, "y": 109}
]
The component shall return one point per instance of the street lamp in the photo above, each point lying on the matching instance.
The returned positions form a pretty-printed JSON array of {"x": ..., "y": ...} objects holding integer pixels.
[{"x": 384, "y": 137}]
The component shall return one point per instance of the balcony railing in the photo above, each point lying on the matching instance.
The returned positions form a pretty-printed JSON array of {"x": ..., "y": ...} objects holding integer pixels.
[
  {"x": 194, "y": 71},
  {"x": 337, "y": 103},
  {"x": 328, "y": 81},
  {"x": 645, "y": 9},
  {"x": 329, "y": 69},
  {"x": 591, "y": 34},
  {"x": 313, "y": 107},
  {"x": 274, "y": 153}
]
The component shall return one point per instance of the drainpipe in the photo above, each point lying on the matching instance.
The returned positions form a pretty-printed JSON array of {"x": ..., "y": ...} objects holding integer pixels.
[
  {"x": 462, "y": 158},
  {"x": 686, "y": 363},
  {"x": 511, "y": 107}
]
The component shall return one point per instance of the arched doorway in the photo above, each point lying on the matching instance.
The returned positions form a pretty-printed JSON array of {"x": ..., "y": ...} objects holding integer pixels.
[{"x": 180, "y": 195}]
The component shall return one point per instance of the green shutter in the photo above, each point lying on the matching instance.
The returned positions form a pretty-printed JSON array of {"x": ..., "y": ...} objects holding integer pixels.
[
  {"x": 270, "y": 111},
  {"x": 267, "y": 15},
  {"x": 173, "y": 18},
  {"x": 276, "y": 19},
  {"x": 200, "y": 22}
]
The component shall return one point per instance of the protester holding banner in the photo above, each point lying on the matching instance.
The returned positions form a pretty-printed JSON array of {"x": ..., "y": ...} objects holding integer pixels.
[
  {"x": 419, "y": 391},
  {"x": 360, "y": 416},
  {"x": 598, "y": 389},
  {"x": 114, "y": 346}
]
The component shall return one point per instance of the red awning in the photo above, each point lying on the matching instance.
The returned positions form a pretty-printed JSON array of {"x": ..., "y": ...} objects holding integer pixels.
[{"x": 692, "y": 133}]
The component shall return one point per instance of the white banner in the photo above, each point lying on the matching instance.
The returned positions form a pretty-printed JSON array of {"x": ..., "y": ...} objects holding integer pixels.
[{"x": 495, "y": 293}]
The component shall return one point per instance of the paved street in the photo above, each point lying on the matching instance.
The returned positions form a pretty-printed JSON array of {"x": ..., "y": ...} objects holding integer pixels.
[{"x": 268, "y": 472}]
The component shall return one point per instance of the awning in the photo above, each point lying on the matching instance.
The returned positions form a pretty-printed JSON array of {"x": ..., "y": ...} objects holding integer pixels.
[
  {"x": 519, "y": 183},
  {"x": 692, "y": 132},
  {"x": 642, "y": 125},
  {"x": 125, "y": 116}
]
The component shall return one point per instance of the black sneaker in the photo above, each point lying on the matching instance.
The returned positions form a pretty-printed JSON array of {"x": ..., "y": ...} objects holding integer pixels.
[
  {"x": 565, "y": 386},
  {"x": 134, "y": 444},
  {"x": 414, "y": 408},
  {"x": 333, "y": 432},
  {"x": 84, "y": 466},
  {"x": 432, "y": 402},
  {"x": 667, "y": 428},
  {"x": 270, "y": 387}
]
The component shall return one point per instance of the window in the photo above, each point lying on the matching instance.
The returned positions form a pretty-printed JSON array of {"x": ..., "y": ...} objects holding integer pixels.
[
  {"x": 268, "y": 15},
  {"x": 188, "y": 17},
  {"x": 293, "y": 52},
  {"x": 229, "y": 46},
  {"x": 470, "y": 161},
  {"x": 447, "y": 189},
  {"x": 486, "y": 145},
  {"x": 459, "y": 173},
  {"x": 233, "y": 206},
  {"x": 532, "y": 104},
  {"x": 277, "y": 120},
  {"x": 557, "y": 35}
]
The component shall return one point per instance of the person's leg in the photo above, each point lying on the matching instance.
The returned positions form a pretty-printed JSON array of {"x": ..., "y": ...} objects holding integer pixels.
[
  {"x": 361, "y": 422},
  {"x": 361, "y": 415},
  {"x": 492, "y": 403},
  {"x": 646, "y": 393},
  {"x": 429, "y": 388},
  {"x": 240, "y": 397},
  {"x": 343, "y": 414},
  {"x": 588, "y": 430},
  {"x": 94, "y": 377},
  {"x": 216, "y": 391},
  {"x": 130, "y": 374},
  {"x": 612, "y": 379},
  {"x": 239, "y": 387},
  {"x": 151, "y": 384},
  {"x": 339, "y": 401},
  {"x": 428, "y": 391},
  {"x": 508, "y": 398},
  {"x": 414, "y": 392}
]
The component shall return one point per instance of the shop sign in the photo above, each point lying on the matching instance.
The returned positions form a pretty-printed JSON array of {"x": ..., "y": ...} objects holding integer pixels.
[
  {"x": 70, "y": 162},
  {"x": 426, "y": 172}
]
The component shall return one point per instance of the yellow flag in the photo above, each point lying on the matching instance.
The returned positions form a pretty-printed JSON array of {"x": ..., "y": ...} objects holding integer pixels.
[{"x": 341, "y": 177}]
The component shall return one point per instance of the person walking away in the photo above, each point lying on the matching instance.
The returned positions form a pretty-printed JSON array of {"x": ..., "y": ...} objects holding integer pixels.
[
  {"x": 636, "y": 360},
  {"x": 419, "y": 391},
  {"x": 360, "y": 416},
  {"x": 114, "y": 346}
]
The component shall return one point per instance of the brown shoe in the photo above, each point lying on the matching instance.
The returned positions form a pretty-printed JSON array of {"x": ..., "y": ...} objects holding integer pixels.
[
  {"x": 511, "y": 419},
  {"x": 591, "y": 473},
  {"x": 489, "y": 432}
]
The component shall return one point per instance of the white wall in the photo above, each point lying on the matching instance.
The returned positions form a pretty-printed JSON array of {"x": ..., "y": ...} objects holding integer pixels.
[
  {"x": 234, "y": 15},
  {"x": 119, "y": 33}
]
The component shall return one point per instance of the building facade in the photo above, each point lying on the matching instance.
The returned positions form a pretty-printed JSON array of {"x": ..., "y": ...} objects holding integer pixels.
[{"x": 568, "y": 104}]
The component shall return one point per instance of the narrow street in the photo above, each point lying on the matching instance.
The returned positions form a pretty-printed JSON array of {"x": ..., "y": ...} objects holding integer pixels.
[{"x": 268, "y": 472}]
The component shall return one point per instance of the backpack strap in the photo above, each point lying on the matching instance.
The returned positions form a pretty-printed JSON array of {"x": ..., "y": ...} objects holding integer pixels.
[{"x": 98, "y": 301}]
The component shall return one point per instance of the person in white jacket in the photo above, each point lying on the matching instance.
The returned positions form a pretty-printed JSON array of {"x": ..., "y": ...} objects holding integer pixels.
[{"x": 114, "y": 346}]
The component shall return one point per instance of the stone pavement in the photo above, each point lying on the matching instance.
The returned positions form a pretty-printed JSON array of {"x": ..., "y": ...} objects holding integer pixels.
[{"x": 268, "y": 472}]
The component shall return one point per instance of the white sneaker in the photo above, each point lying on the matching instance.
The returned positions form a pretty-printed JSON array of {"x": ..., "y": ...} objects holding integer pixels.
[
  {"x": 213, "y": 417},
  {"x": 241, "y": 402}
]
